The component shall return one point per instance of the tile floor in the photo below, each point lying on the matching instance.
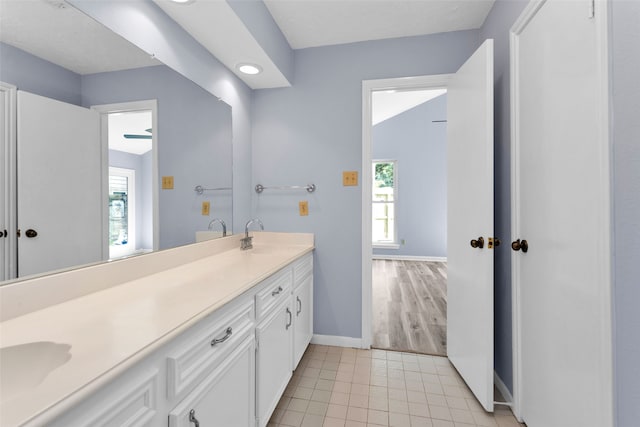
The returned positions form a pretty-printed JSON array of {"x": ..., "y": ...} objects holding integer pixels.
[{"x": 346, "y": 387}]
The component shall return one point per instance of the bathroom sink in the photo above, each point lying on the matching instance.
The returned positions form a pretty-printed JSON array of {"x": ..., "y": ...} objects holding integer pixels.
[{"x": 24, "y": 366}]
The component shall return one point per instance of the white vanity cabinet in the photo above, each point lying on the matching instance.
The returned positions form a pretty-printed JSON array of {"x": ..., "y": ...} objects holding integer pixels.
[
  {"x": 303, "y": 306},
  {"x": 228, "y": 368},
  {"x": 225, "y": 397},
  {"x": 274, "y": 340}
]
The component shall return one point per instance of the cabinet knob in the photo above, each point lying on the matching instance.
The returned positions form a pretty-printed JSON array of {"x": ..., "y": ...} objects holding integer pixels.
[
  {"x": 193, "y": 419},
  {"x": 519, "y": 245},
  {"x": 31, "y": 233}
]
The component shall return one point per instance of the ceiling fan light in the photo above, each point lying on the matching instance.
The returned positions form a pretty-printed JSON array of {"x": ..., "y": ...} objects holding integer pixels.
[{"x": 247, "y": 68}]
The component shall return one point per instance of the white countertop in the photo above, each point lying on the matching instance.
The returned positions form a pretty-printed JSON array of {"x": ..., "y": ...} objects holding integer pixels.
[{"x": 111, "y": 329}]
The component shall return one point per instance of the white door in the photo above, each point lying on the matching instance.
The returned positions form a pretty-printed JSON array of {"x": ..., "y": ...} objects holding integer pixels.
[
  {"x": 561, "y": 208},
  {"x": 5, "y": 143},
  {"x": 59, "y": 185},
  {"x": 273, "y": 360},
  {"x": 303, "y": 318},
  {"x": 470, "y": 217}
]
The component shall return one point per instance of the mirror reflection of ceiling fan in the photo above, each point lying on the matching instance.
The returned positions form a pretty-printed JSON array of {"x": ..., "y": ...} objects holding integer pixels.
[{"x": 138, "y": 136}]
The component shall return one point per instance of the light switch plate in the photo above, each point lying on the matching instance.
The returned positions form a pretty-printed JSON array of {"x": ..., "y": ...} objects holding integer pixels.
[
  {"x": 349, "y": 178},
  {"x": 303, "y": 207},
  {"x": 167, "y": 183},
  {"x": 206, "y": 207}
]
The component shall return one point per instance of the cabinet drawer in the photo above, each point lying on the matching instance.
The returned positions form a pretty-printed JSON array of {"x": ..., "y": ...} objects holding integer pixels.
[
  {"x": 195, "y": 357},
  {"x": 130, "y": 401},
  {"x": 277, "y": 288},
  {"x": 302, "y": 268}
]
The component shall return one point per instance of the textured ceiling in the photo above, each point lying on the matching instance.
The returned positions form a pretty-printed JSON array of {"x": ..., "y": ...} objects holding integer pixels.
[
  {"x": 59, "y": 33},
  {"x": 310, "y": 23}
]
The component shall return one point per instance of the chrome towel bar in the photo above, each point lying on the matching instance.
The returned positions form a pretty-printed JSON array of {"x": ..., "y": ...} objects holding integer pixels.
[
  {"x": 200, "y": 189},
  {"x": 310, "y": 188}
]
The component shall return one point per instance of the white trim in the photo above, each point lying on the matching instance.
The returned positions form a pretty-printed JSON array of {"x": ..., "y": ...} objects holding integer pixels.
[
  {"x": 604, "y": 234},
  {"x": 411, "y": 258},
  {"x": 337, "y": 341},
  {"x": 8, "y": 147},
  {"x": 386, "y": 246},
  {"x": 104, "y": 110},
  {"x": 500, "y": 385},
  {"x": 368, "y": 86}
]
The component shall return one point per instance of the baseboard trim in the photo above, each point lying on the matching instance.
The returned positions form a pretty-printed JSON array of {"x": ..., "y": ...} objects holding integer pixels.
[
  {"x": 500, "y": 385},
  {"x": 411, "y": 258},
  {"x": 336, "y": 341}
]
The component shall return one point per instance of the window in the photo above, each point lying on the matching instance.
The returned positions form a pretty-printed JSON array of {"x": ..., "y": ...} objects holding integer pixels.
[
  {"x": 385, "y": 190},
  {"x": 121, "y": 212}
]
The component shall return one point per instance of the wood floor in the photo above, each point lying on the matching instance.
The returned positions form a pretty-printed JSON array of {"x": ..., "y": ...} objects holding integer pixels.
[{"x": 410, "y": 306}]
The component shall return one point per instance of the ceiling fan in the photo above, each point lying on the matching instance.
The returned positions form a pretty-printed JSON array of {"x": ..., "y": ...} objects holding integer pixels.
[{"x": 138, "y": 136}]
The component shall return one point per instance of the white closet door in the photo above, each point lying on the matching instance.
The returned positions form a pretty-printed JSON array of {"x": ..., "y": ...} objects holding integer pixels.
[
  {"x": 561, "y": 208},
  {"x": 59, "y": 185},
  {"x": 470, "y": 216}
]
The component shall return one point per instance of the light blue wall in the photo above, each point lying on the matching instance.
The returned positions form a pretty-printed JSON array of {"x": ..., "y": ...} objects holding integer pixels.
[
  {"x": 144, "y": 24},
  {"x": 144, "y": 218},
  {"x": 311, "y": 132},
  {"x": 420, "y": 147},
  {"x": 35, "y": 75},
  {"x": 497, "y": 26},
  {"x": 193, "y": 143},
  {"x": 626, "y": 197}
]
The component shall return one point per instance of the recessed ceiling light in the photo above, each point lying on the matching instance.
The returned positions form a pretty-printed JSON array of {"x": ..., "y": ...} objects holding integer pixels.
[
  {"x": 249, "y": 68},
  {"x": 183, "y": 1}
]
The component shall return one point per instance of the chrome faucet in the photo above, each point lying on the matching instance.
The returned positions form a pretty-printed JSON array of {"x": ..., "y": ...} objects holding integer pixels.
[
  {"x": 224, "y": 226},
  {"x": 247, "y": 241}
]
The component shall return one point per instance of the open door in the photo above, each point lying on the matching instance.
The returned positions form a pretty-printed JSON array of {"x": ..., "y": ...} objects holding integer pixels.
[
  {"x": 59, "y": 185},
  {"x": 470, "y": 223}
]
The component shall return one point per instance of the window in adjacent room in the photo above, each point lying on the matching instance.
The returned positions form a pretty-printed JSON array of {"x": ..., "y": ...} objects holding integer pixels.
[
  {"x": 121, "y": 212},
  {"x": 385, "y": 190}
]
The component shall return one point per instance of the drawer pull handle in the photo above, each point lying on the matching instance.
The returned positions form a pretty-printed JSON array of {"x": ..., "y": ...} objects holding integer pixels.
[
  {"x": 299, "y": 306},
  {"x": 277, "y": 291},
  {"x": 228, "y": 333},
  {"x": 290, "y": 318},
  {"x": 193, "y": 419}
]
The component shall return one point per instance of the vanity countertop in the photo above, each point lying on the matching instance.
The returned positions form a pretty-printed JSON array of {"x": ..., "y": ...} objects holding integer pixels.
[{"x": 111, "y": 329}]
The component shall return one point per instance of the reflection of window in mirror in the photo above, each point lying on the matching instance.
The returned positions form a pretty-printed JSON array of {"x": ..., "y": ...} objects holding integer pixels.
[
  {"x": 121, "y": 212},
  {"x": 384, "y": 198}
]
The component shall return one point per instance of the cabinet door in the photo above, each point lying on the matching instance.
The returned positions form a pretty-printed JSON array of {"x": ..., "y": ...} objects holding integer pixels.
[
  {"x": 303, "y": 318},
  {"x": 224, "y": 398},
  {"x": 273, "y": 359}
]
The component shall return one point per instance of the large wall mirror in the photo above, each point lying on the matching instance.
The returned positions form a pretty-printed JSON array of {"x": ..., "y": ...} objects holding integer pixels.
[{"x": 114, "y": 154}]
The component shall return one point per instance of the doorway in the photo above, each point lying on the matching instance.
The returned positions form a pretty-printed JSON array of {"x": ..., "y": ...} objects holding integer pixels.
[
  {"x": 409, "y": 220},
  {"x": 129, "y": 140}
]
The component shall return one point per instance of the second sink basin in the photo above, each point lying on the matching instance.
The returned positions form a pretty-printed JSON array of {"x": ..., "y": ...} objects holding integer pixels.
[{"x": 24, "y": 366}]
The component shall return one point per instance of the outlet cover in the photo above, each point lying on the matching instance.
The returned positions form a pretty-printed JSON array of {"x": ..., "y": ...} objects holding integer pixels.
[
  {"x": 349, "y": 178},
  {"x": 206, "y": 207},
  {"x": 167, "y": 183},
  {"x": 303, "y": 207}
]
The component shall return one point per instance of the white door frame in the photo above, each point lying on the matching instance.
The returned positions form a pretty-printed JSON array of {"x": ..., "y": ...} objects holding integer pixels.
[
  {"x": 601, "y": 9},
  {"x": 127, "y": 107},
  {"x": 438, "y": 81},
  {"x": 8, "y": 146}
]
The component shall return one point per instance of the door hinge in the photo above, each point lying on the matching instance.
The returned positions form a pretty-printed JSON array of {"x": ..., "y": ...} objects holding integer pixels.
[{"x": 592, "y": 9}]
